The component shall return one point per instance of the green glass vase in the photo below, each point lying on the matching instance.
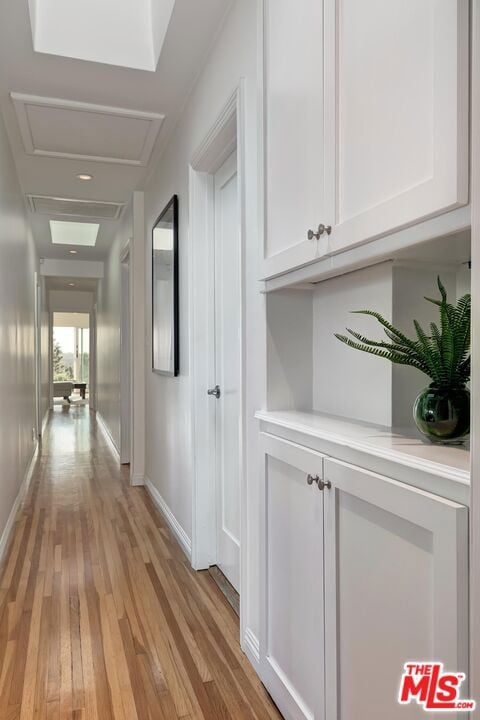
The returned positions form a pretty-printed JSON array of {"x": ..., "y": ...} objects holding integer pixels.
[{"x": 443, "y": 414}]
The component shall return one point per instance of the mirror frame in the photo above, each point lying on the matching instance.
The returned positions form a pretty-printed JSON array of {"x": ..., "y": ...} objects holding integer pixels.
[{"x": 173, "y": 203}]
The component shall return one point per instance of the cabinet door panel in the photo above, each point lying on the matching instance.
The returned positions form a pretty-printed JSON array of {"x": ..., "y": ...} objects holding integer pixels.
[
  {"x": 294, "y": 152},
  {"x": 292, "y": 642},
  {"x": 395, "y": 589},
  {"x": 398, "y": 114}
]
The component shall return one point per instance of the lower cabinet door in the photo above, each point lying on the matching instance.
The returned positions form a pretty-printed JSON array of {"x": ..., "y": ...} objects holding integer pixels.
[
  {"x": 396, "y": 590},
  {"x": 292, "y": 617}
]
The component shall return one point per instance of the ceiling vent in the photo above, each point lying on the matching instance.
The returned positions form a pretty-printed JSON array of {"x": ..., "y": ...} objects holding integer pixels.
[{"x": 75, "y": 208}]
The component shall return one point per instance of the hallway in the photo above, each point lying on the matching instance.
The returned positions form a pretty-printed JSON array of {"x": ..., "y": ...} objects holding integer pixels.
[{"x": 100, "y": 613}]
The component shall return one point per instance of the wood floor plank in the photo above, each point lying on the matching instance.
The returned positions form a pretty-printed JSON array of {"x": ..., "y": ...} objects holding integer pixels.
[
  {"x": 31, "y": 677},
  {"x": 101, "y": 615}
]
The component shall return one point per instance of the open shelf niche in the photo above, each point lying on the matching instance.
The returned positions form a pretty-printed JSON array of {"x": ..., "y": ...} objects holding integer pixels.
[{"x": 309, "y": 370}]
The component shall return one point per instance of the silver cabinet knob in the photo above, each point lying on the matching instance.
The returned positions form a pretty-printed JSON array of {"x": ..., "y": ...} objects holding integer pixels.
[
  {"x": 322, "y": 484},
  {"x": 321, "y": 230},
  {"x": 216, "y": 392}
]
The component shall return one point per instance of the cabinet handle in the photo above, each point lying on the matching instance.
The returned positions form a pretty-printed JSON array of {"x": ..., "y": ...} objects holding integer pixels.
[
  {"x": 321, "y": 229},
  {"x": 311, "y": 479}
]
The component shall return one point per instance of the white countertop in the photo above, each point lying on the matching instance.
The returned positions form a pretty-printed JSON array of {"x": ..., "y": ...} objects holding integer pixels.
[{"x": 446, "y": 461}]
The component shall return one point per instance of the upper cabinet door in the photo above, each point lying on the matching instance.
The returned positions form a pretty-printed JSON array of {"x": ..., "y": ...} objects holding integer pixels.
[
  {"x": 396, "y": 590},
  {"x": 396, "y": 95},
  {"x": 294, "y": 133}
]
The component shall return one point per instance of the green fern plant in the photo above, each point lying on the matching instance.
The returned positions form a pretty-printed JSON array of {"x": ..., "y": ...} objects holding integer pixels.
[{"x": 443, "y": 354}]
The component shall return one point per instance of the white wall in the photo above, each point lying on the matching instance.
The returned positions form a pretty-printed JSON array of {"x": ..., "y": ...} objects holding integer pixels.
[
  {"x": 71, "y": 268},
  {"x": 290, "y": 350},
  {"x": 169, "y": 459},
  {"x": 108, "y": 332},
  {"x": 357, "y": 385},
  {"x": 71, "y": 301},
  {"x": 18, "y": 263},
  {"x": 347, "y": 382},
  {"x": 71, "y": 319}
]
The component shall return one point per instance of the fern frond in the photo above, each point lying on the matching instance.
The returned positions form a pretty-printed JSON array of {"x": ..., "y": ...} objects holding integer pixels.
[
  {"x": 388, "y": 326},
  {"x": 394, "y": 357},
  {"x": 443, "y": 355}
]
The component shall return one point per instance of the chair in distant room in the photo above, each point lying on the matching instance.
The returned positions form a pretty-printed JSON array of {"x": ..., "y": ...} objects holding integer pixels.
[{"x": 63, "y": 390}]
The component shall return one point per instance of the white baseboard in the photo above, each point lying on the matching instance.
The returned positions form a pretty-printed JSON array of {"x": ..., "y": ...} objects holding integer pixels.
[
  {"x": 170, "y": 518},
  {"x": 108, "y": 435},
  {"x": 137, "y": 480},
  {"x": 5, "y": 539},
  {"x": 45, "y": 420},
  {"x": 251, "y": 647}
]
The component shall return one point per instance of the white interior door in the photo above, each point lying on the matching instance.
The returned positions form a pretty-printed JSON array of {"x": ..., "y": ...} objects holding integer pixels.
[{"x": 228, "y": 368}]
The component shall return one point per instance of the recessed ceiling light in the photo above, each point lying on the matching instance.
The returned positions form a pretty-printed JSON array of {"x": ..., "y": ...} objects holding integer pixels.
[
  {"x": 74, "y": 233},
  {"x": 84, "y": 176},
  {"x": 73, "y": 252},
  {"x": 71, "y": 284}
]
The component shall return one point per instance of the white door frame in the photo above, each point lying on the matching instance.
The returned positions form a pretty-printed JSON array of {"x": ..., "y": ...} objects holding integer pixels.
[
  {"x": 126, "y": 400},
  {"x": 50, "y": 359},
  {"x": 38, "y": 354},
  {"x": 226, "y": 135},
  {"x": 135, "y": 254},
  {"x": 138, "y": 247},
  {"x": 92, "y": 370}
]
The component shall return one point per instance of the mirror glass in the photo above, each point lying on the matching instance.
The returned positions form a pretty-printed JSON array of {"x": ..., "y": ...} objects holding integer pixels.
[{"x": 165, "y": 291}]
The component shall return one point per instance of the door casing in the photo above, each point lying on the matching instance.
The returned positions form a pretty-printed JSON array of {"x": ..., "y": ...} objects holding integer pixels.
[
  {"x": 126, "y": 420},
  {"x": 226, "y": 135}
]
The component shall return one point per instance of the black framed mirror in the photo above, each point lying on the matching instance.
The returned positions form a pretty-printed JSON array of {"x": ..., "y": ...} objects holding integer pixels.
[{"x": 165, "y": 295}]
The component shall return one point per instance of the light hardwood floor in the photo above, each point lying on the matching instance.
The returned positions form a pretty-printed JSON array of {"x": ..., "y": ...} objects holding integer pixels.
[{"x": 101, "y": 616}]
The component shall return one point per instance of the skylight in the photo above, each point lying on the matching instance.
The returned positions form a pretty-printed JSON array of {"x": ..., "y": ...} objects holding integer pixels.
[
  {"x": 129, "y": 33},
  {"x": 163, "y": 238},
  {"x": 74, "y": 233}
]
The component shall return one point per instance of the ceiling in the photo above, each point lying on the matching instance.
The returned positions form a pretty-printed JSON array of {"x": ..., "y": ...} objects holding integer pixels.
[
  {"x": 67, "y": 116},
  {"x": 65, "y": 283}
]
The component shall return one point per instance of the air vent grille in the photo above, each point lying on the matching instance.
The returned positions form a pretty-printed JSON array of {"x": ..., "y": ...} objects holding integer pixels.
[{"x": 75, "y": 208}]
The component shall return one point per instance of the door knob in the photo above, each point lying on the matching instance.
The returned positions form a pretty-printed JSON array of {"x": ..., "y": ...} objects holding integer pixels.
[
  {"x": 321, "y": 229},
  {"x": 216, "y": 392}
]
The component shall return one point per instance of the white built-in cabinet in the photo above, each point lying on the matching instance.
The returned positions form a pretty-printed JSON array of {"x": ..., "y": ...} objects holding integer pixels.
[
  {"x": 294, "y": 133},
  {"x": 366, "y": 121},
  {"x": 360, "y": 573},
  {"x": 292, "y": 613}
]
